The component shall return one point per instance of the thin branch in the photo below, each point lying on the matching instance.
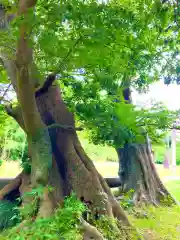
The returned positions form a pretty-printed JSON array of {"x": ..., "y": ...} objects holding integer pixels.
[
  {"x": 9, "y": 47},
  {"x": 156, "y": 125},
  {"x": 67, "y": 55},
  {"x": 52, "y": 77},
  {"x": 15, "y": 112},
  {"x": 65, "y": 127},
  {"x": 4, "y": 94}
]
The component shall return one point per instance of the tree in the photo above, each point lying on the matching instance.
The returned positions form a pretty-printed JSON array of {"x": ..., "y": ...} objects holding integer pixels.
[
  {"x": 57, "y": 158},
  {"x": 121, "y": 131},
  {"x": 87, "y": 40},
  {"x": 138, "y": 173},
  {"x": 137, "y": 170}
]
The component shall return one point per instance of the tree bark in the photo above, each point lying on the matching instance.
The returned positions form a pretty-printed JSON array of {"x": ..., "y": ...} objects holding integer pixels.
[
  {"x": 72, "y": 170},
  {"x": 137, "y": 171},
  {"x": 12, "y": 185},
  {"x": 76, "y": 171}
]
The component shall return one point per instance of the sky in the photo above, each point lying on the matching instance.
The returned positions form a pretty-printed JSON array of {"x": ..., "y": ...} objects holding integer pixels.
[{"x": 169, "y": 95}]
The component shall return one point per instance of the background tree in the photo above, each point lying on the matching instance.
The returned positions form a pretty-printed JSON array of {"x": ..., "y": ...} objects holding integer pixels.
[{"x": 142, "y": 52}]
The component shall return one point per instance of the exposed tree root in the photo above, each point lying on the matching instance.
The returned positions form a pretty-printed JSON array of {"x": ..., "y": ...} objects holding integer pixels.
[
  {"x": 89, "y": 231},
  {"x": 114, "y": 207},
  {"x": 45, "y": 206},
  {"x": 13, "y": 185},
  {"x": 113, "y": 182}
]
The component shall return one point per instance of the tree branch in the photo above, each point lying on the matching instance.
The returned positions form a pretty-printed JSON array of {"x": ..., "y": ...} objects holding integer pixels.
[
  {"x": 67, "y": 55},
  {"x": 16, "y": 114},
  {"x": 64, "y": 127},
  {"x": 52, "y": 77},
  {"x": 4, "y": 94},
  {"x": 155, "y": 125},
  {"x": 49, "y": 81}
]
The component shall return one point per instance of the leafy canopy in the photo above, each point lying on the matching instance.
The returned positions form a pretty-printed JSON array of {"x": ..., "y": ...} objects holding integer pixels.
[{"x": 97, "y": 49}]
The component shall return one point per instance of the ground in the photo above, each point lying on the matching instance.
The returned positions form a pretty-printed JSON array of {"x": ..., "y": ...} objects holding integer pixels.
[{"x": 162, "y": 223}]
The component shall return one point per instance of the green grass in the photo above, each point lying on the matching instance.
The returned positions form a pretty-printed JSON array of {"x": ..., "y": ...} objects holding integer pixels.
[
  {"x": 160, "y": 151},
  {"x": 174, "y": 188},
  {"x": 98, "y": 152},
  {"x": 106, "y": 153},
  {"x": 163, "y": 223}
]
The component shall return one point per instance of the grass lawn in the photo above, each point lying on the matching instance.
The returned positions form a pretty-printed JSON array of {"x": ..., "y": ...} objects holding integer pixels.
[
  {"x": 161, "y": 224},
  {"x": 104, "y": 157},
  {"x": 174, "y": 188},
  {"x": 107, "y": 169},
  {"x": 161, "y": 149},
  {"x": 110, "y": 169},
  {"x": 9, "y": 169}
]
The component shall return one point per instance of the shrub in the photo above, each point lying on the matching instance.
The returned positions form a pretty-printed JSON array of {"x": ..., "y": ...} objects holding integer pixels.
[
  {"x": 63, "y": 225},
  {"x": 9, "y": 214}
]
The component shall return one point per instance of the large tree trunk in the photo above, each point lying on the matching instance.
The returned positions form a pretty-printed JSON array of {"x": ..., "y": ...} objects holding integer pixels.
[
  {"x": 71, "y": 170},
  {"x": 137, "y": 171},
  {"x": 76, "y": 172}
]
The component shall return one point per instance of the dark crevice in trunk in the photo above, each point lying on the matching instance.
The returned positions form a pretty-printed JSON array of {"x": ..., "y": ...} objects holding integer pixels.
[
  {"x": 53, "y": 132},
  {"x": 60, "y": 160}
]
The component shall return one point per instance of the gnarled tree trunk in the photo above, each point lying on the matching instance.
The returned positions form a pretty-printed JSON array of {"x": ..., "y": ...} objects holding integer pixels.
[
  {"x": 76, "y": 172},
  {"x": 71, "y": 170},
  {"x": 137, "y": 171}
]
